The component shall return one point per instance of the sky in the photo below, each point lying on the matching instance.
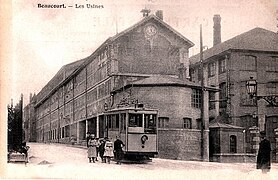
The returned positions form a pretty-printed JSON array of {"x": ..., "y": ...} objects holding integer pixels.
[{"x": 43, "y": 40}]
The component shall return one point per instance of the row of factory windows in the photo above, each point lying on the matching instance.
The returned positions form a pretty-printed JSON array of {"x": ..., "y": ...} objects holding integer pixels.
[
  {"x": 97, "y": 93},
  {"x": 247, "y": 62},
  {"x": 79, "y": 84},
  {"x": 54, "y": 134},
  {"x": 163, "y": 122}
]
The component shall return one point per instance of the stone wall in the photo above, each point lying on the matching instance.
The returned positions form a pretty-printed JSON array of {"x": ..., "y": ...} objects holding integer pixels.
[
  {"x": 181, "y": 144},
  {"x": 234, "y": 158}
]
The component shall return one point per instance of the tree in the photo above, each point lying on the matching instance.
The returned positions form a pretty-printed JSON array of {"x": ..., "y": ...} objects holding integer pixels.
[{"x": 15, "y": 130}]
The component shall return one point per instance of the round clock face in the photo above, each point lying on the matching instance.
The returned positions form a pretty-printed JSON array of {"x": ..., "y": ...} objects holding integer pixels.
[{"x": 150, "y": 30}]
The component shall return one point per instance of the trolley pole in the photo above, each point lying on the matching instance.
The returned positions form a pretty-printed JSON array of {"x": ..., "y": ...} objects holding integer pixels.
[{"x": 202, "y": 96}]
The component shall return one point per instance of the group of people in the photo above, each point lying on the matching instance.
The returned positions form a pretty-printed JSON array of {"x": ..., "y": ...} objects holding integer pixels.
[
  {"x": 104, "y": 148},
  {"x": 107, "y": 150}
]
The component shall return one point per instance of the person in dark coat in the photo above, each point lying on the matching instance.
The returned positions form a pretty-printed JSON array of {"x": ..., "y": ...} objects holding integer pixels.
[
  {"x": 101, "y": 150},
  {"x": 263, "y": 159},
  {"x": 98, "y": 144},
  {"x": 118, "y": 145},
  {"x": 88, "y": 137}
]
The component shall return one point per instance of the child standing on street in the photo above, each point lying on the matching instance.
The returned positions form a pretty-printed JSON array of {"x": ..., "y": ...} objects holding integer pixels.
[
  {"x": 108, "y": 153},
  {"x": 92, "y": 149}
]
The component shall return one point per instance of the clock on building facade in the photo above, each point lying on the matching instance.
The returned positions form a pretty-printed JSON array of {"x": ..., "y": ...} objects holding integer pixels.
[{"x": 150, "y": 30}]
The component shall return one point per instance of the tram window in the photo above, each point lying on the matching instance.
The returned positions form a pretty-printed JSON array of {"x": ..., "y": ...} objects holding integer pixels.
[
  {"x": 150, "y": 123},
  {"x": 123, "y": 125},
  {"x": 135, "y": 120},
  {"x": 115, "y": 121}
]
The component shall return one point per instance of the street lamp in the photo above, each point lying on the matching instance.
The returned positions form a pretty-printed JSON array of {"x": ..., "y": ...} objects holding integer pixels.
[{"x": 251, "y": 86}]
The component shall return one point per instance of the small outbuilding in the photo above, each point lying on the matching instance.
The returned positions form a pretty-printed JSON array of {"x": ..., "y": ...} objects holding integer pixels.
[{"x": 227, "y": 142}]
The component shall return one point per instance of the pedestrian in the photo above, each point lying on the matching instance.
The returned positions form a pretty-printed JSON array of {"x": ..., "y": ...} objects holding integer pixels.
[
  {"x": 118, "y": 145},
  {"x": 98, "y": 144},
  {"x": 263, "y": 159},
  {"x": 92, "y": 150},
  {"x": 72, "y": 140},
  {"x": 101, "y": 150},
  {"x": 88, "y": 137},
  {"x": 108, "y": 153},
  {"x": 24, "y": 150}
]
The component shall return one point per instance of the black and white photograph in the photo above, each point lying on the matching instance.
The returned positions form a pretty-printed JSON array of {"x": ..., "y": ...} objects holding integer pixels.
[{"x": 139, "y": 89}]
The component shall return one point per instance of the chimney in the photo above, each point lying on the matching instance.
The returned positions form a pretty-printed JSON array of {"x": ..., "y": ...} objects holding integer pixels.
[
  {"x": 182, "y": 72},
  {"x": 159, "y": 14},
  {"x": 216, "y": 29}
]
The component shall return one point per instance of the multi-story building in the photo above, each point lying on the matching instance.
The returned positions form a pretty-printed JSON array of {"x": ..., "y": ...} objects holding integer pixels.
[
  {"x": 228, "y": 66},
  {"x": 147, "y": 62}
]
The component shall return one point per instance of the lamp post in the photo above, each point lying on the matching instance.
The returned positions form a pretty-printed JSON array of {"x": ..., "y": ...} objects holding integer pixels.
[
  {"x": 203, "y": 155},
  {"x": 251, "y": 86},
  {"x": 244, "y": 148},
  {"x": 272, "y": 100}
]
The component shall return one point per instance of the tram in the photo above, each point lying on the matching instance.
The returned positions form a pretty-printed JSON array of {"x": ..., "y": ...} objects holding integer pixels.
[{"x": 137, "y": 128}]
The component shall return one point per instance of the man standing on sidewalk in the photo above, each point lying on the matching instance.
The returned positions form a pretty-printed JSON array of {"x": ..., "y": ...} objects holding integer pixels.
[
  {"x": 263, "y": 159},
  {"x": 118, "y": 145}
]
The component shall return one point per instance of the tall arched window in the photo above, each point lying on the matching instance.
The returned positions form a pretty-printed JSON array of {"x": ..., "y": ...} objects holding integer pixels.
[{"x": 233, "y": 144}]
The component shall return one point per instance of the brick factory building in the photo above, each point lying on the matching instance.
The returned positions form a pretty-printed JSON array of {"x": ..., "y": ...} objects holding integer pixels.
[
  {"x": 147, "y": 63},
  {"x": 227, "y": 66}
]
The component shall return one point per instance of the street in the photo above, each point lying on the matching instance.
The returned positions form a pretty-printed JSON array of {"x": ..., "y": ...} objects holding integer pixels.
[{"x": 65, "y": 161}]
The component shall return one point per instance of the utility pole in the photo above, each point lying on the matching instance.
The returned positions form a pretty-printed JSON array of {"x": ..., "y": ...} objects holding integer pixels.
[{"x": 202, "y": 96}]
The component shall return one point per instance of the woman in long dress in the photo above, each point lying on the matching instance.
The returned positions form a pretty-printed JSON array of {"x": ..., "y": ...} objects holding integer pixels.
[
  {"x": 108, "y": 153},
  {"x": 92, "y": 149}
]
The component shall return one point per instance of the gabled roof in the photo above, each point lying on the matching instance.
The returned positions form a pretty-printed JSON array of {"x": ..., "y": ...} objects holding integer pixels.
[
  {"x": 257, "y": 39},
  {"x": 159, "y": 21},
  {"x": 72, "y": 68},
  {"x": 59, "y": 77},
  {"x": 222, "y": 125}
]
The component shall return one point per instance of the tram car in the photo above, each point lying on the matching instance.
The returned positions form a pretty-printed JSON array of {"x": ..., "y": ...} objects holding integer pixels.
[{"x": 137, "y": 128}]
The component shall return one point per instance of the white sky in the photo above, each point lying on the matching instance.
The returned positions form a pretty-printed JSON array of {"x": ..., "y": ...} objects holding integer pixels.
[{"x": 45, "y": 39}]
